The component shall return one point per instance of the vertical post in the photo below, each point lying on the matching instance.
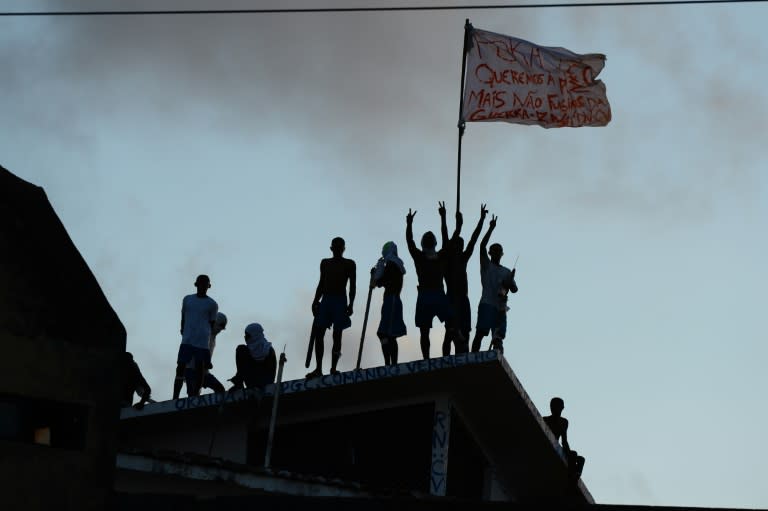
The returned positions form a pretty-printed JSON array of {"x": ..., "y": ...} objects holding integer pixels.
[
  {"x": 365, "y": 321},
  {"x": 273, "y": 420},
  {"x": 462, "y": 124},
  {"x": 441, "y": 429}
]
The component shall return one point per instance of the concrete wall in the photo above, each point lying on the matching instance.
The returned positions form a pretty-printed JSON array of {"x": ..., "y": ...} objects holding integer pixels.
[{"x": 61, "y": 343}]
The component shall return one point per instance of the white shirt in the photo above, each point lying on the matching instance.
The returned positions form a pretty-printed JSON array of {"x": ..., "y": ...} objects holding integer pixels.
[
  {"x": 198, "y": 313},
  {"x": 493, "y": 277}
]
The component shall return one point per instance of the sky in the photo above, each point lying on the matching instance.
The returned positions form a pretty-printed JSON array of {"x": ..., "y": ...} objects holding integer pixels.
[{"x": 240, "y": 145}]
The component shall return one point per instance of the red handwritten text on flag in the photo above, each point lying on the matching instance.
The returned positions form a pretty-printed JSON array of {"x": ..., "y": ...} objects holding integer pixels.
[{"x": 512, "y": 80}]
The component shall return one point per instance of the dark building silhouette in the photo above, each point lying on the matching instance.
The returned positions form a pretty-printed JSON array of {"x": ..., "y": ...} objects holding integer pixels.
[
  {"x": 422, "y": 430},
  {"x": 61, "y": 342}
]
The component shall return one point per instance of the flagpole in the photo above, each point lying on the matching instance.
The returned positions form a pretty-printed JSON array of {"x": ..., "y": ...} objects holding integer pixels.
[{"x": 462, "y": 124}]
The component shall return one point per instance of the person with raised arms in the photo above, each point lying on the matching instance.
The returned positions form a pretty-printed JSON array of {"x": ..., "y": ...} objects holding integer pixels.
[
  {"x": 497, "y": 281},
  {"x": 431, "y": 300},
  {"x": 457, "y": 288}
]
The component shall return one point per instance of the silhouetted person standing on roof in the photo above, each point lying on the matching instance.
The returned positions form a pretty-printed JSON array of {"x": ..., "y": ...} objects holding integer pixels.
[
  {"x": 456, "y": 281},
  {"x": 497, "y": 281},
  {"x": 388, "y": 274},
  {"x": 559, "y": 427},
  {"x": 255, "y": 360},
  {"x": 330, "y": 305},
  {"x": 430, "y": 266},
  {"x": 198, "y": 315}
]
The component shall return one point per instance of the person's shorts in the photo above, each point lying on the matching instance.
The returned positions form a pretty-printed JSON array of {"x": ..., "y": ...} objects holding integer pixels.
[
  {"x": 333, "y": 311},
  {"x": 489, "y": 317},
  {"x": 462, "y": 315},
  {"x": 429, "y": 304},
  {"x": 192, "y": 355},
  {"x": 391, "y": 324}
]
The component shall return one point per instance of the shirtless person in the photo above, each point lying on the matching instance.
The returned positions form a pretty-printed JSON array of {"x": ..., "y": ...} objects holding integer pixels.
[
  {"x": 431, "y": 299},
  {"x": 559, "y": 427},
  {"x": 456, "y": 281},
  {"x": 330, "y": 306}
]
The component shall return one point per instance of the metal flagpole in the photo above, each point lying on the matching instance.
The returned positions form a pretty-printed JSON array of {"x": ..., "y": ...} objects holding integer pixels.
[{"x": 462, "y": 124}]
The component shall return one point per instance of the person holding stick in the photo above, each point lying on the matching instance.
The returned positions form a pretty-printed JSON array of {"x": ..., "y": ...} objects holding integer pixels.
[
  {"x": 430, "y": 264},
  {"x": 388, "y": 274},
  {"x": 456, "y": 281},
  {"x": 330, "y": 306},
  {"x": 497, "y": 281}
]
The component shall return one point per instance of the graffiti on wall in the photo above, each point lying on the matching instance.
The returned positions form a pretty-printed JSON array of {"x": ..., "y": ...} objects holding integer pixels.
[
  {"x": 347, "y": 378},
  {"x": 441, "y": 428}
]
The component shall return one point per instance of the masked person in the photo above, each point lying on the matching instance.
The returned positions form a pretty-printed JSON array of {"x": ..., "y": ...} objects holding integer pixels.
[
  {"x": 388, "y": 274},
  {"x": 255, "y": 360}
]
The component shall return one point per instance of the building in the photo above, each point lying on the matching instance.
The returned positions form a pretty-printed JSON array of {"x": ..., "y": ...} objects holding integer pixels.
[
  {"x": 459, "y": 426},
  {"x": 59, "y": 398}
]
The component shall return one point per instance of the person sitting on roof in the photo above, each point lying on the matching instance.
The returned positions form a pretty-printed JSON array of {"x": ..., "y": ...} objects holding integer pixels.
[
  {"x": 559, "y": 427},
  {"x": 255, "y": 360},
  {"x": 209, "y": 380},
  {"x": 388, "y": 274},
  {"x": 132, "y": 381}
]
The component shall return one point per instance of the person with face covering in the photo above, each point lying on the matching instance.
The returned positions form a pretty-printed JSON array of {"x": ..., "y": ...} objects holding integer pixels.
[
  {"x": 255, "y": 360},
  {"x": 430, "y": 266},
  {"x": 388, "y": 274}
]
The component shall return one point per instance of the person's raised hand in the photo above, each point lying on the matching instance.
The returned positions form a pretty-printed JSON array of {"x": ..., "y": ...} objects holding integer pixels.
[
  {"x": 459, "y": 219},
  {"x": 441, "y": 208},
  {"x": 410, "y": 215},
  {"x": 493, "y": 221},
  {"x": 483, "y": 210}
]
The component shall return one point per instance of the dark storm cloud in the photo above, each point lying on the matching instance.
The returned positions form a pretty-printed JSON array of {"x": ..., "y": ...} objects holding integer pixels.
[{"x": 372, "y": 96}]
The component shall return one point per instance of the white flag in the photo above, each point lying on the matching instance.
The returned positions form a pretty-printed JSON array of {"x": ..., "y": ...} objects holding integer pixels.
[{"x": 512, "y": 80}]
